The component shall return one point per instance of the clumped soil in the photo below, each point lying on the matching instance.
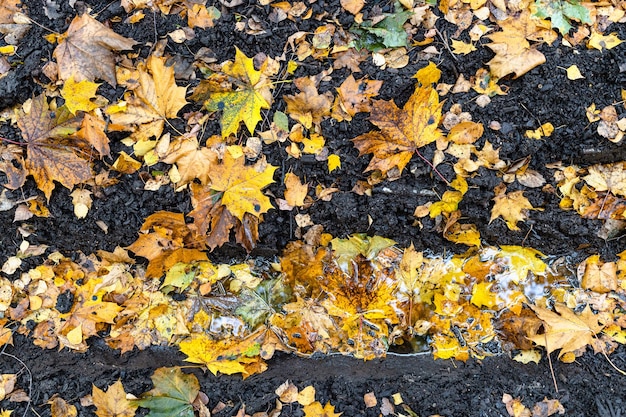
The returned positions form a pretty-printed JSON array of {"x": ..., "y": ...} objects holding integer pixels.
[{"x": 589, "y": 387}]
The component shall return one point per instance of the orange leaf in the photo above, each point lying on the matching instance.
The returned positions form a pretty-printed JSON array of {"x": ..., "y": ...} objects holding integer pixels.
[{"x": 402, "y": 131}]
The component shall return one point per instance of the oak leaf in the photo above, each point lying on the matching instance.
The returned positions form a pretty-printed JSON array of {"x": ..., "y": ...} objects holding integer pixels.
[
  {"x": 402, "y": 131},
  {"x": 52, "y": 154},
  {"x": 113, "y": 402},
  {"x": 86, "y": 50},
  {"x": 295, "y": 192},
  {"x": 566, "y": 330},
  {"x": 156, "y": 99},
  {"x": 512, "y": 207},
  {"x": 240, "y": 92}
]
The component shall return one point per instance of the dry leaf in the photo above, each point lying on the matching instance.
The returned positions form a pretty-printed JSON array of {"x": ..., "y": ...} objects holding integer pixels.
[
  {"x": 86, "y": 51},
  {"x": 512, "y": 207},
  {"x": 402, "y": 131}
]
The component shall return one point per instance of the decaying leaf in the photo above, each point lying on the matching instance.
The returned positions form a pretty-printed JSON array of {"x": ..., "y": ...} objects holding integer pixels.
[
  {"x": 566, "y": 330},
  {"x": 52, "y": 154},
  {"x": 85, "y": 51}
]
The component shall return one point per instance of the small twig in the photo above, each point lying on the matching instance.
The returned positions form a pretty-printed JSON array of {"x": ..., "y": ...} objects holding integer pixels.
[
  {"x": 556, "y": 387},
  {"x": 30, "y": 379},
  {"x": 435, "y": 170}
]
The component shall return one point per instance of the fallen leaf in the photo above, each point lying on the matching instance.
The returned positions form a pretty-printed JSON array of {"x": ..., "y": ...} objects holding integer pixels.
[
  {"x": 402, "y": 131},
  {"x": 512, "y": 207},
  {"x": 354, "y": 97},
  {"x": 156, "y": 99},
  {"x": 462, "y": 48},
  {"x": 113, "y": 402},
  {"x": 240, "y": 93},
  {"x": 78, "y": 95},
  {"x": 308, "y": 106},
  {"x": 514, "y": 54},
  {"x": 566, "y": 330},
  {"x": 573, "y": 73},
  {"x": 173, "y": 393},
  {"x": 51, "y": 154},
  {"x": 86, "y": 51},
  {"x": 315, "y": 409},
  {"x": 600, "y": 41},
  {"x": 60, "y": 408}
]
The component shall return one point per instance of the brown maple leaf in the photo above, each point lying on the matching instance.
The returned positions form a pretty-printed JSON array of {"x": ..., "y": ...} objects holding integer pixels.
[
  {"x": 156, "y": 99},
  {"x": 354, "y": 97},
  {"x": 51, "y": 153},
  {"x": 86, "y": 50},
  {"x": 308, "y": 106},
  {"x": 402, "y": 131},
  {"x": 514, "y": 54},
  {"x": 192, "y": 160},
  {"x": 165, "y": 240}
]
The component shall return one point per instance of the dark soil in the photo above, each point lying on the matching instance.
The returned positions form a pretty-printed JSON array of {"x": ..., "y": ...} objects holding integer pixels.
[{"x": 589, "y": 387}]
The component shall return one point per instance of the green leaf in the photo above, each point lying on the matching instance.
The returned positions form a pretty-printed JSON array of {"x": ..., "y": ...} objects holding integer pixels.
[
  {"x": 266, "y": 299},
  {"x": 358, "y": 244},
  {"x": 561, "y": 13},
  {"x": 388, "y": 33},
  {"x": 173, "y": 394}
]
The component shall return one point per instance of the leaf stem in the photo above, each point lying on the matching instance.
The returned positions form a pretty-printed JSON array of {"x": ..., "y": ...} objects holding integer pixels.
[{"x": 12, "y": 141}]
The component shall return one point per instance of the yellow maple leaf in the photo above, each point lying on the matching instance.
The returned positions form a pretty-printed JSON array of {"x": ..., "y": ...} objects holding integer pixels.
[
  {"x": 156, "y": 99},
  {"x": 512, "y": 207},
  {"x": 86, "y": 50},
  {"x": 222, "y": 356},
  {"x": 482, "y": 296},
  {"x": 240, "y": 93},
  {"x": 402, "y": 131},
  {"x": 78, "y": 95},
  {"x": 514, "y": 54},
  {"x": 240, "y": 186},
  {"x": 566, "y": 330},
  {"x": 460, "y": 47},
  {"x": 609, "y": 177},
  {"x": 315, "y": 409},
  {"x": 113, "y": 402}
]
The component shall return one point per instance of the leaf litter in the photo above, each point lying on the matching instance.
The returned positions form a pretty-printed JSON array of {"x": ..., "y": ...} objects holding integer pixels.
[{"x": 351, "y": 302}]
